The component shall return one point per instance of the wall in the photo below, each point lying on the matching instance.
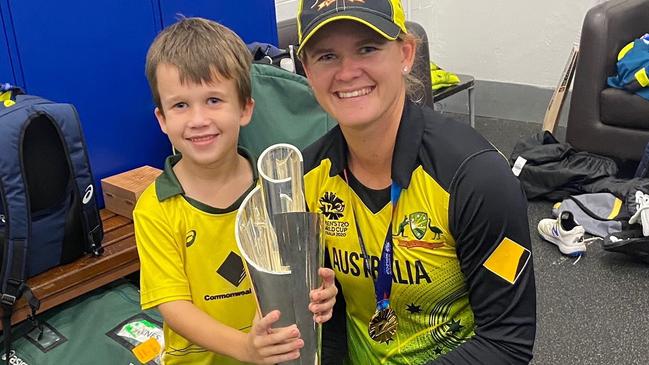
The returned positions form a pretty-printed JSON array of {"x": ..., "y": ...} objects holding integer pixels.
[
  {"x": 515, "y": 49},
  {"x": 285, "y": 9},
  {"x": 525, "y": 42}
]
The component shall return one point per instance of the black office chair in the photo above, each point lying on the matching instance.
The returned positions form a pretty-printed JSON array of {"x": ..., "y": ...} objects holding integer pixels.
[{"x": 605, "y": 120}]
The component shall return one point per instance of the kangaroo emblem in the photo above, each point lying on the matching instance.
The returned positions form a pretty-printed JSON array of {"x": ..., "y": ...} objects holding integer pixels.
[{"x": 402, "y": 226}]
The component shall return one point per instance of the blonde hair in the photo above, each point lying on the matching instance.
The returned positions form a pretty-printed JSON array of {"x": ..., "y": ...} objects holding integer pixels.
[
  {"x": 199, "y": 48},
  {"x": 415, "y": 88}
]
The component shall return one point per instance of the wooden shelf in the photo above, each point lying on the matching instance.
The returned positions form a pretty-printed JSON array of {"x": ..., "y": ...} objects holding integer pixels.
[{"x": 67, "y": 282}]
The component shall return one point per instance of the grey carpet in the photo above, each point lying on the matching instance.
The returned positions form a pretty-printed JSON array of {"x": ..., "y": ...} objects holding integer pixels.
[{"x": 590, "y": 312}]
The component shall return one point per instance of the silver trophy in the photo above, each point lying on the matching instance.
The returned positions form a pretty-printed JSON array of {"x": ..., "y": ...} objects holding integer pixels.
[{"x": 282, "y": 245}]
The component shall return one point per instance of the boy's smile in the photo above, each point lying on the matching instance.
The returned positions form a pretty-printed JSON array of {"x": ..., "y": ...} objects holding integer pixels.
[
  {"x": 201, "y": 120},
  {"x": 203, "y": 140},
  {"x": 200, "y": 140}
]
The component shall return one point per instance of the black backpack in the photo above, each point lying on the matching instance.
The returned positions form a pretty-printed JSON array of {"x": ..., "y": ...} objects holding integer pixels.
[{"x": 48, "y": 211}]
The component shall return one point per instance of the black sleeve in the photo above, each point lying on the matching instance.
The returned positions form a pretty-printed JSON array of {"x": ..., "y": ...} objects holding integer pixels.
[
  {"x": 488, "y": 207},
  {"x": 334, "y": 331}
]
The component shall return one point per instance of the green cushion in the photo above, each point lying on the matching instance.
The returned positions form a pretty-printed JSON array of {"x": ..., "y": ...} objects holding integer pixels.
[{"x": 285, "y": 111}]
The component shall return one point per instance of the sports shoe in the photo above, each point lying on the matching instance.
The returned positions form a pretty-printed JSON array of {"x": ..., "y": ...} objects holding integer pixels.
[
  {"x": 641, "y": 216},
  {"x": 565, "y": 233}
]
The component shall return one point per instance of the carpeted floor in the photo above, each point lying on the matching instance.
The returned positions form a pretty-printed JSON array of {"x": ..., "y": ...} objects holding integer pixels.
[{"x": 593, "y": 311}]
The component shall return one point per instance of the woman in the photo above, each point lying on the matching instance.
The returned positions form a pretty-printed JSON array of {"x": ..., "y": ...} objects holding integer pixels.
[{"x": 425, "y": 225}]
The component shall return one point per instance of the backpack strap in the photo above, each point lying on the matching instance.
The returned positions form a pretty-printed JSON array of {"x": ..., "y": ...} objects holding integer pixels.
[
  {"x": 67, "y": 119},
  {"x": 18, "y": 225},
  {"x": 7, "y": 302}
]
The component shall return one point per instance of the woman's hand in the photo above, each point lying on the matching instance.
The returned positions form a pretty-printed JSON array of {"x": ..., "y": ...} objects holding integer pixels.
[
  {"x": 323, "y": 298},
  {"x": 268, "y": 345}
]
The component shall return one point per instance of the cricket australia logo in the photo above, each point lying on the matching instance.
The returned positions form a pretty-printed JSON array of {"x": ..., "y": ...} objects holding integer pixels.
[
  {"x": 321, "y": 4},
  {"x": 419, "y": 223},
  {"x": 331, "y": 206}
]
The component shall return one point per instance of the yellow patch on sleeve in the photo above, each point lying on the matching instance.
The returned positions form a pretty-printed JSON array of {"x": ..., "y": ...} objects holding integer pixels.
[{"x": 508, "y": 260}]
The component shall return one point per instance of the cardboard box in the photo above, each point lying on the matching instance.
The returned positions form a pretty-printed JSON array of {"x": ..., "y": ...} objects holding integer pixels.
[{"x": 121, "y": 191}]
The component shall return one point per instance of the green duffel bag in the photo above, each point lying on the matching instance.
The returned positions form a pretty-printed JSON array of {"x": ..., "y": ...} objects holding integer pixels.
[
  {"x": 285, "y": 111},
  {"x": 101, "y": 327}
]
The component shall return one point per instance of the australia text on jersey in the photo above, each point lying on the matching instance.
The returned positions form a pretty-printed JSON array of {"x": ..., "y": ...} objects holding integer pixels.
[{"x": 403, "y": 272}]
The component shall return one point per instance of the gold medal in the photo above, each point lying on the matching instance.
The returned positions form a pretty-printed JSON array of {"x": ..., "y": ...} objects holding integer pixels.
[{"x": 383, "y": 325}]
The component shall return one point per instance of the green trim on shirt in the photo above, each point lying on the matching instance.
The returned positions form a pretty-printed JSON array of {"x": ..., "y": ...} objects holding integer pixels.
[{"x": 167, "y": 184}]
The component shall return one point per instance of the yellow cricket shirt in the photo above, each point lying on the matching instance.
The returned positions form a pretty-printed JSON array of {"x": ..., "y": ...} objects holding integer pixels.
[
  {"x": 462, "y": 278},
  {"x": 188, "y": 252}
]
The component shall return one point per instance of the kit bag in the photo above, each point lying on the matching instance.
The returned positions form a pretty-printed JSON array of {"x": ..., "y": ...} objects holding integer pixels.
[{"x": 48, "y": 211}]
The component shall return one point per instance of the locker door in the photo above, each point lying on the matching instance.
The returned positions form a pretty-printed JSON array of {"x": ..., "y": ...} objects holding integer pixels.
[
  {"x": 92, "y": 54},
  {"x": 252, "y": 20}
]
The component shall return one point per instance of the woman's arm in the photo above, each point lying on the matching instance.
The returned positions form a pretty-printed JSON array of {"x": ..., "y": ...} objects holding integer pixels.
[{"x": 489, "y": 222}]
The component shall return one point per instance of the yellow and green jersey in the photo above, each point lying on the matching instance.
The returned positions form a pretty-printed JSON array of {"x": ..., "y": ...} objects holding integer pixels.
[
  {"x": 462, "y": 278},
  {"x": 188, "y": 252}
]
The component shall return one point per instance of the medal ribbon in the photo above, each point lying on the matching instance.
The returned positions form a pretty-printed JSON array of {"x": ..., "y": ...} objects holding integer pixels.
[{"x": 383, "y": 282}]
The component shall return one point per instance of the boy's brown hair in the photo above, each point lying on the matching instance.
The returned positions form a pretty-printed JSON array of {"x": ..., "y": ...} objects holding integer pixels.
[{"x": 199, "y": 48}]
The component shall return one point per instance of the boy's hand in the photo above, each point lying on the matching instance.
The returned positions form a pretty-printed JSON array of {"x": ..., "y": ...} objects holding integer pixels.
[
  {"x": 323, "y": 298},
  {"x": 268, "y": 345}
]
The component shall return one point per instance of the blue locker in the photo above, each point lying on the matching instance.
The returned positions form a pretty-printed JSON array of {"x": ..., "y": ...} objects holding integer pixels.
[
  {"x": 92, "y": 54},
  {"x": 252, "y": 20},
  {"x": 6, "y": 70}
]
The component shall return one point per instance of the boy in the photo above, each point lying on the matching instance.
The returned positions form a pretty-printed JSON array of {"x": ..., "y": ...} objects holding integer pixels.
[{"x": 191, "y": 268}]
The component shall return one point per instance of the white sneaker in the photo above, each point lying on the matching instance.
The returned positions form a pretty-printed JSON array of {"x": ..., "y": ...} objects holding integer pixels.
[
  {"x": 641, "y": 215},
  {"x": 565, "y": 233}
]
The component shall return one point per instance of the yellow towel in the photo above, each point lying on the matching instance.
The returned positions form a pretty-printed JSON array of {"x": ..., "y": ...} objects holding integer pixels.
[{"x": 441, "y": 78}]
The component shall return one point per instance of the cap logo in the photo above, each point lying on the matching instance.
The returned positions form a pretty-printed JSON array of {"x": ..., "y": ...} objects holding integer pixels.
[{"x": 321, "y": 4}]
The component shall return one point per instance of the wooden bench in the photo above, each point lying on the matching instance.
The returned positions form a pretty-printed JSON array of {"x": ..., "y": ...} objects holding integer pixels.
[{"x": 67, "y": 282}]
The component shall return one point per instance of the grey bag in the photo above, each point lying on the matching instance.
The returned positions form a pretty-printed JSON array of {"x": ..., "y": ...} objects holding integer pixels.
[{"x": 601, "y": 214}]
